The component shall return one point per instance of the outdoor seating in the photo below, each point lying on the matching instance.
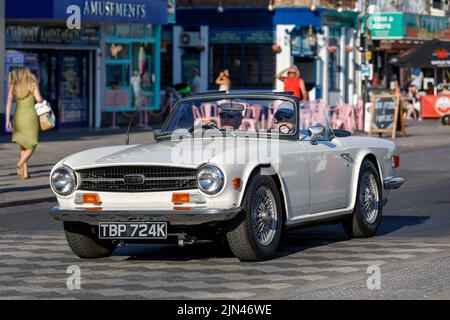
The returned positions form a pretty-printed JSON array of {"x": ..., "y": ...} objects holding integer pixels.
[
  {"x": 252, "y": 115},
  {"x": 344, "y": 118},
  {"x": 207, "y": 112}
]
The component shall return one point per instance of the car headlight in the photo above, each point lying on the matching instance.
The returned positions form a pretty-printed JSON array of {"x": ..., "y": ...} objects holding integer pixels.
[
  {"x": 210, "y": 179},
  {"x": 63, "y": 181}
]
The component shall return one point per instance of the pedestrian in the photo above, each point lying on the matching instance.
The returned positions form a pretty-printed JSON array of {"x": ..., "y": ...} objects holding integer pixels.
[
  {"x": 293, "y": 82},
  {"x": 195, "y": 81},
  {"x": 223, "y": 81},
  {"x": 24, "y": 89}
]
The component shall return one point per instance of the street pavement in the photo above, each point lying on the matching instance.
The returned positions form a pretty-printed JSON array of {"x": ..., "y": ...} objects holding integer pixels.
[{"x": 412, "y": 248}]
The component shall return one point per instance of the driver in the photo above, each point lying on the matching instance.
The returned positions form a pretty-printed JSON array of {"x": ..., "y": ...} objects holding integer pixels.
[
  {"x": 230, "y": 118},
  {"x": 284, "y": 118}
]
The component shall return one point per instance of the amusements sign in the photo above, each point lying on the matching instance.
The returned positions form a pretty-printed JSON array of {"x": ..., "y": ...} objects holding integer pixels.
[{"x": 385, "y": 115}]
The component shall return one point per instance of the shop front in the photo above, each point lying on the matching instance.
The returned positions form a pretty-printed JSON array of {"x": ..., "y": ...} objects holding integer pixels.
[
  {"x": 63, "y": 61},
  {"x": 237, "y": 40},
  {"x": 320, "y": 44},
  {"x": 394, "y": 33},
  {"x": 111, "y": 63}
]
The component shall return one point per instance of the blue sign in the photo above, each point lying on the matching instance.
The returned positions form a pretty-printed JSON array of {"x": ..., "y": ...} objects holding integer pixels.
[
  {"x": 126, "y": 11},
  {"x": 114, "y": 11}
]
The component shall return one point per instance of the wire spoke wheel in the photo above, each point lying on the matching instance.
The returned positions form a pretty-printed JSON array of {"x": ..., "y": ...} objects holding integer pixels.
[
  {"x": 369, "y": 197},
  {"x": 264, "y": 216}
]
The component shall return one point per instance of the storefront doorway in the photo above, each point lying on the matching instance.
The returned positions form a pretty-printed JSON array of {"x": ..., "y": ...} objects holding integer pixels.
[{"x": 65, "y": 83}]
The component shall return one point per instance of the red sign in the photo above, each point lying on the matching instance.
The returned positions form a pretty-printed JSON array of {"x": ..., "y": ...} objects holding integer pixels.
[
  {"x": 441, "y": 53},
  {"x": 435, "y": 106}
]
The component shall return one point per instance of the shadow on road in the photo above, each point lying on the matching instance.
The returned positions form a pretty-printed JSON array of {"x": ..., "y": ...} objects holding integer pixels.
[
  {"x": 25, "y": 188},
  {"x": 390, "y": 224},
  {"x": 292, "y": 242}
]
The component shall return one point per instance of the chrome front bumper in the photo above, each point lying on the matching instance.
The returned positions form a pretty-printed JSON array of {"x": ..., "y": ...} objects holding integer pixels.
[
  {"x": 392, "y": 183},
  {"x": 173, "y": 217}
]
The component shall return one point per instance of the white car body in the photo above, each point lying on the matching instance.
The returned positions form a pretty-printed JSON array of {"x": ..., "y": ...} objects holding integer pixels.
[
  {"x": 304, "y": 170},
  {"x": 317, "y": 181}
]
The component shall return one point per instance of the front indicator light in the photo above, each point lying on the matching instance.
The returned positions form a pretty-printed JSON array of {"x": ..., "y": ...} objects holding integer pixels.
[
  {"x": 237, "y": 183},
  {"x": 179, "y": 198},
  {"x": 92, "y": 198},
  {"x": 88, "y": 198}
]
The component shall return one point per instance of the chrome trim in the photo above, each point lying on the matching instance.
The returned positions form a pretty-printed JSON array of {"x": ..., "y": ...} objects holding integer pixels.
[
  {"x": 392, "y": 183},
  {"x": 146, "y": 179},
  {"x": 173, "y": 217}
]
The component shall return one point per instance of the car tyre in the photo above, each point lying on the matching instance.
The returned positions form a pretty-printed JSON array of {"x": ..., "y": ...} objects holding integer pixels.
[
  {"x": 366, "y": 217},
  {"x": 257, "y": 234},
  {"x": 84, "y": 243}
]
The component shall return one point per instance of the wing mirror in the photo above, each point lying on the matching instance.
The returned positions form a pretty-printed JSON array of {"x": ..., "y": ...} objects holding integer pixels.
[{"x": 315, "y": 132}]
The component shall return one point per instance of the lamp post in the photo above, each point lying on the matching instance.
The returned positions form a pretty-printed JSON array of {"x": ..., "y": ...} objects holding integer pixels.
[{"x": 365, "y": 35}]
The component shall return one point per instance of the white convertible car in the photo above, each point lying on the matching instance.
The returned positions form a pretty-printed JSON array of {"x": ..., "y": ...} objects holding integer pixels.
[{"x": 239, "y": 167}]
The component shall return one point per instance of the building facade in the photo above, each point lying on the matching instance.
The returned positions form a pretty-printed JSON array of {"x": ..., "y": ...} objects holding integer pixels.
[
  {"x": 255, "y": 40},
  {"x": 402, "y": 26},
  {"x": 89, "y": 71}
]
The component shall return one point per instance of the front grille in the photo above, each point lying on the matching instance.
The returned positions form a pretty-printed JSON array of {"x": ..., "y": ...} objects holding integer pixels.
[{"x": 111, "y": 179}]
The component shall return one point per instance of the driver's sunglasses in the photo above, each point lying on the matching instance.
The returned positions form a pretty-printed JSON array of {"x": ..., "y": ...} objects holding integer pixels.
[{"x": 284, "y": 116}]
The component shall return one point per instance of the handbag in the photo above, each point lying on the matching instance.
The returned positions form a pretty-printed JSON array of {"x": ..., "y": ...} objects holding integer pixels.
[{"x": 46, "y": 115}]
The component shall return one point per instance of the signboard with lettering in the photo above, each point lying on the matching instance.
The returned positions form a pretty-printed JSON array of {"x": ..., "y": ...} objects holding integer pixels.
[
  {"x": 258, "y": 37},
  {"x": 225, "y": 36},
  {"x": 385, "y": 115},
  {"x": 22, "y": 34},
  {"x": 300, "y": 46},
  {"x": 113, "y": 11},
  {"x": 386, "y": 25},
  {"x": 408, "y": 26}
]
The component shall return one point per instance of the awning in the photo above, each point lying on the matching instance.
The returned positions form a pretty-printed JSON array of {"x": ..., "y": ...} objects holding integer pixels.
[{"x": 432, "y": 54}]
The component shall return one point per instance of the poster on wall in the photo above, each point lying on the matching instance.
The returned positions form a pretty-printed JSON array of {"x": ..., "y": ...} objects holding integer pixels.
[{"x": 73, "y": 106}]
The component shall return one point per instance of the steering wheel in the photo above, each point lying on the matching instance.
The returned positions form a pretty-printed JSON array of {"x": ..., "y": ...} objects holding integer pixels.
[
  {"x": 210, "y": 125},
  {"x": 284, "y": 129}
]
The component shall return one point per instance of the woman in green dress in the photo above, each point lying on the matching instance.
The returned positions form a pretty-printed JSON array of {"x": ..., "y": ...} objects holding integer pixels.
[{"x": 24, "y": 89}]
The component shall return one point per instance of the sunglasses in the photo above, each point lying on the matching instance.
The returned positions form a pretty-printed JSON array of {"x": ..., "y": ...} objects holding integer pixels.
[{"x": 280, "y": 116}]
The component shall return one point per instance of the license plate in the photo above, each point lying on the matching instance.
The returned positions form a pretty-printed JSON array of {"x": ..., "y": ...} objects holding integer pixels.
[{"x": 133, "y": 230}]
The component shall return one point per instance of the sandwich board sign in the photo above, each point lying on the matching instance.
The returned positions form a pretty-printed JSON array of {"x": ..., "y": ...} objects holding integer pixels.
[{"x": 386, "y": 115}]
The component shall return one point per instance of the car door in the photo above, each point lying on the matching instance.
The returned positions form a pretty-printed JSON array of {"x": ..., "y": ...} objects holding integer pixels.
[
  {"x": 330, "y": 174},
  {"x": 294, "y": 173}
]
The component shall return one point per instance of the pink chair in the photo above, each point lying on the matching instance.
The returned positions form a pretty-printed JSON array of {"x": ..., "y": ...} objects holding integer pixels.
[
  {"x": 344, "y": 118},
  {"x": 250, "y": 121},
  {"x": 207, "y": 112},
  {"x": 318, "y": 112}
]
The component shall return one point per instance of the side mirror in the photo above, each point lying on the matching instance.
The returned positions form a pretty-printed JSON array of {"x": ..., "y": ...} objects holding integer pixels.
[{"x": 315, "y": 132}]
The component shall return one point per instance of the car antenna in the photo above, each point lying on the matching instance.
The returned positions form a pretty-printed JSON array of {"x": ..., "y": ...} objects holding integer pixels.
[{"x": 127, "y": 139}]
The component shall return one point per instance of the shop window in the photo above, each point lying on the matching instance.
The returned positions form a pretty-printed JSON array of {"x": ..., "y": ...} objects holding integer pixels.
[
  {"x": 122, "y": 31},
  {"x": 110, "y": 30},
  {"x": 117, "y": 75},
  {"x": 250, "y": 66},
  {"x": 149, "y": 30},
  {"x": 333, "y": 49},
  {"x": 137, "y": 31},
  {"x": 117, "y": 51}
]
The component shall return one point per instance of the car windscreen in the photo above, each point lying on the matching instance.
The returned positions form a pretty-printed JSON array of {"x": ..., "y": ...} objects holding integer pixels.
[{"x": 240, "y": 115}]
